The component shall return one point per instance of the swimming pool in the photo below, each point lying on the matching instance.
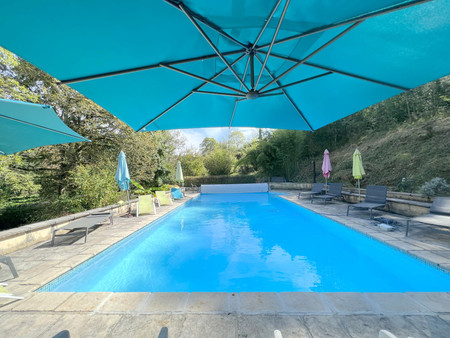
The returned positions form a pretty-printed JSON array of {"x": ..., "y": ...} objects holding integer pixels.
[{"x": 249, "y": 242}]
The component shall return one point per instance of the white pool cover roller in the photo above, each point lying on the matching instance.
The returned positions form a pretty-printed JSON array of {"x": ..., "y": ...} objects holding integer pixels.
[{"x": 233, "y": 188}]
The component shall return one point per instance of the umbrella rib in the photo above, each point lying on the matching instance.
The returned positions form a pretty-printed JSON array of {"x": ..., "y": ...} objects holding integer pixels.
[
  {"x": 329, "y": 42},
  {"x": 296, "y": 82},
  {"x": 267, "y": 23},
  {"x": 360, "y": 77},
  {"x": 213, "y": 46},
  {"x": 148, "y": 67},
  {"x": 188, "y": 95},
  {"x": 42, "y": 127},
  {"x": 217, "y": 93},
  {"x": 251, "y": 60},
  {"x": 288, "y": 97},
  {"x": 273, "y": 41},
  {"x": 349, "y": 21},
  {"x": 177, "y": 5},
  {"x": 202, "y": 78}
]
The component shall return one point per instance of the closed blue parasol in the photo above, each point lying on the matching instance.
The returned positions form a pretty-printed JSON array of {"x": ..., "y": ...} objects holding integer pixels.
[
  {"x": 26, "y": 125},
  {"x": 123, "y": 176},
  {"x": 169, "y": 64}
]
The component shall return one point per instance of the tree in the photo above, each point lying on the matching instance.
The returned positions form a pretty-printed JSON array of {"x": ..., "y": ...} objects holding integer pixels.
[
  {"x": 219, "y": 162},
  {"x": 208, "y": 145},
  {"x": 192, "y": 165}
]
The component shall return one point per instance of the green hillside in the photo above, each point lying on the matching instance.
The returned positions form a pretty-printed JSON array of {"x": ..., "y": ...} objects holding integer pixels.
[{"x": 416, "y": 151}]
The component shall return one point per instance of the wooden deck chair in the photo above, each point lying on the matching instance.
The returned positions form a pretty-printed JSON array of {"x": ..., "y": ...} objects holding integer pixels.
[
  {"x": 146, "y": 205},
  {"x": 163, "y": 198}
]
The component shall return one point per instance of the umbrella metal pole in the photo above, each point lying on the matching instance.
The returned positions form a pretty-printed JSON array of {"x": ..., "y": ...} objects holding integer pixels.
[
  {"x": 359, "y": 190},
  {"x": 128, "y": 199}
]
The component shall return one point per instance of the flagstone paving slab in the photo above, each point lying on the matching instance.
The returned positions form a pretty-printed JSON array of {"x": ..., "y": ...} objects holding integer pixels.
[
  {"x": 428, "y": 326},
  {"x": 124, "y": 302},
  {"x": 435, "y": 301},
  {"x": 28, "y": 325},
  {"x": 259, "y": 302},
  {"x": 304, "y": 302},
  {"x": 74, "y": 261},
  {"x": 43, "y": 301},
  {"x": 387, "y": 303},
  {"x": 290, "y": 326},
  {"x": 199, "y": 325},
  {"x": 84, "y": 301},
  {"x": 148, "y": 326},
  {"x": 84, "y": 325},
  {"x": 210, "y": 302},
  {"x": 325, "y": 326},
  {"x": 46, "y": 276},
  {"x": 348, "y": 302},
  {"x": 165, "y": 302}
]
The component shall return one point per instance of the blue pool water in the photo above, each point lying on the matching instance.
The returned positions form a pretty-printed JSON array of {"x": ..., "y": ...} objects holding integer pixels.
[{"x": 250, "y": 242}]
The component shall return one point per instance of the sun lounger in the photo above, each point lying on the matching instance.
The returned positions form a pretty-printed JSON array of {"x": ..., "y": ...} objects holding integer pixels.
[
  {"x": 439, "y": 214},
  {"x": 146, "y": 205},
  {"x": 85, "y": 224},
  {"x": 4, "y": 293},
  {"x": 163, "y": 198},
  {"x": 335, "y": 191},
  {"x": 8, "y": 261},
  {"x": 316, "y": 190},
  {"x": 375, "y": 198}
]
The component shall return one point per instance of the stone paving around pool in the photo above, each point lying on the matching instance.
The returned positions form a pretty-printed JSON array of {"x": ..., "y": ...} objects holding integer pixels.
[{"x": 245, "y": 314}]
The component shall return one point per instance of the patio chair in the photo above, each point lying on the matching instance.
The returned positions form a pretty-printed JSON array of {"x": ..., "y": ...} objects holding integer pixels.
[
  {"x": 8, "y": 261},
  {"x": 439, "y": 214},
  {"x": 375, "y": 198},
  {"x": 84, "y": 223},
  {"x": 335, "y": 191},
  {"x": 176, "y": 193},
  {"x": 4, "y": 293},
  {"x": 316, "y": 190},
  {"x": 163, "y": 198},
  {"x": 146, "y": 205}
]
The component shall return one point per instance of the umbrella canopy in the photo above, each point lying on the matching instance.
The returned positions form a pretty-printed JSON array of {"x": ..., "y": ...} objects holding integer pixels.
[
  {"x": 26, "y": 125},
  {"x": 169, "y": 64},
  {"x": 358, "y": 169},
  {"x": 122, "y": 174},
  {"x": 326, "y": 164},
  {"x": 179, "y": 174}
]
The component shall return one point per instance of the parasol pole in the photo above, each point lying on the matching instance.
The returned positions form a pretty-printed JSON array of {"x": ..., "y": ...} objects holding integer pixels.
[{"x": 359, "y": 190}]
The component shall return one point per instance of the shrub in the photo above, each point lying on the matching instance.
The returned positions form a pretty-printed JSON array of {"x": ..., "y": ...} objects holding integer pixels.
[
  {"x": 434, "y": 187},
  {"x": 92, "y": 186},
  {"x": 219, "y": 162}
]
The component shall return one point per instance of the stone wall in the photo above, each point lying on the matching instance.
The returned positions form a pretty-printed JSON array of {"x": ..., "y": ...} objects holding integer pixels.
[{"x": 26, "y": 235}]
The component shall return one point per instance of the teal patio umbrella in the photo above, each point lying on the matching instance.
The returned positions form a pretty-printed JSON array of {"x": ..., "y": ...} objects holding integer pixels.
[
  {"x": 169, "y": 64},
  {"x": 26, "y": 125},
  {"x": 123, "y": 176}
]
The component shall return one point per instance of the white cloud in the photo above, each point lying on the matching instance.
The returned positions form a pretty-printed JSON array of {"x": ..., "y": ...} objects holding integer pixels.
[{"x": 194, "y": 137}]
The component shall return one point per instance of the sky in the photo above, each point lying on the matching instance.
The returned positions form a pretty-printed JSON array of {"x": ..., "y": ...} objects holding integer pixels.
[{"x": 193, "y": 137}]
